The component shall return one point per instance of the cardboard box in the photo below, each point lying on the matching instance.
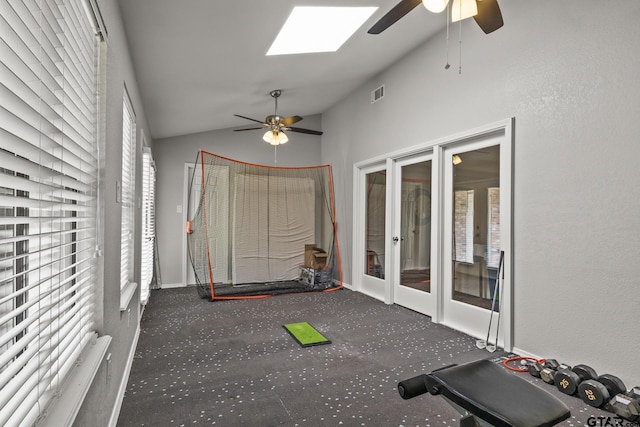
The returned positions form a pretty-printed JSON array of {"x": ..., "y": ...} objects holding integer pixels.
[
  {"x": 308, "y": 254},
  {"x": 319, "y": 259},
  {"x": 314, "y": 257}
]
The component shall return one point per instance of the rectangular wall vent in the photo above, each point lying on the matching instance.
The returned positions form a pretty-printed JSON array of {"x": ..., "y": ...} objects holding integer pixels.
[{"x": 377, "y": 94}]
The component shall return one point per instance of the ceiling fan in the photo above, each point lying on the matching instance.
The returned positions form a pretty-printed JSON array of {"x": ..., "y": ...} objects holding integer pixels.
[
  {"x": 486, "y": 13},
  {"x": 276, "y": 125}
]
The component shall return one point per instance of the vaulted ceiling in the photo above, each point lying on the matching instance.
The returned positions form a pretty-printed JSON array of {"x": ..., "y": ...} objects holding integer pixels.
[{"x": 200, "y": 61}]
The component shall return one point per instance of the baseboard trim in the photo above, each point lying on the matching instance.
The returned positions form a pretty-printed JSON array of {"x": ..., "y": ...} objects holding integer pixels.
[
  {"x": 181, "y": 285},
  {"x": 172, "y": 285},
  {"x": 521, "y": 352},
  {"x": 115, "y": 413}
]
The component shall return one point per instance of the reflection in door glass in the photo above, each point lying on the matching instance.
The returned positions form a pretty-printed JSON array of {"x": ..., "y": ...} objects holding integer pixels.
[
  {"x": 415, "y": 226},
  {"x": 476, "y": 225},
  {"x": 375, "y": 225}
]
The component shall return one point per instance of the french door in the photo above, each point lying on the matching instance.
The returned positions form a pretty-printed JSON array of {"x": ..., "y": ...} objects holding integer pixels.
[
  {"x": 413, "y": 238},
  {"x": 476, "y": 230},
  {"x": 430, "y": 225},
  {"x": 370, "y": 237}
]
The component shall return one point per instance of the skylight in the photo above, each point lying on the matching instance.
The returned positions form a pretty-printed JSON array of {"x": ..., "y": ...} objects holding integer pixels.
[{"x": 318, "y": 29}]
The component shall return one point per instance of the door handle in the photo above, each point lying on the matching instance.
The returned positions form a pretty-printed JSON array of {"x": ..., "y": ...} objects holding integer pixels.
[{"x": 395, "y": 239}]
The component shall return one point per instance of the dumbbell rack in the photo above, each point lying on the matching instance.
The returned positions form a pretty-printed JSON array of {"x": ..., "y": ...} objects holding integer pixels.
[{"x": 606, "y": 392}]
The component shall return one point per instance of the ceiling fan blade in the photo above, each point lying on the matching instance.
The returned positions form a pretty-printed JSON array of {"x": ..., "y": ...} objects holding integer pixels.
[
  {"x": 249, "y": 118},
  {"x": 238, "y": 130},
  {"x": 302, "y": 130},
  {"x": 398, "y": 11},
  {"x": 489, "y": 17},
  {"x": 291, "y": 120}
]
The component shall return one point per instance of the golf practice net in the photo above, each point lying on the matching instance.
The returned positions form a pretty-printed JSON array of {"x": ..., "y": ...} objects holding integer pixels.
[{"x": 262, "y": 230}]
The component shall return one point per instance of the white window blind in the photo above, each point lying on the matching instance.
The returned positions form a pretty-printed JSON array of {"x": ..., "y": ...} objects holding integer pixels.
[
  {"x": 493, "y": 227},
  {"x": 127, "y": 195},
  {"x": 463, "y": 226},
  {"x": 48, "y": 173},
  {"x": 148, "y": 223}
]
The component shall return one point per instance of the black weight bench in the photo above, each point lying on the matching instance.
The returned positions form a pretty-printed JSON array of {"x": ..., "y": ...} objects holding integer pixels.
[{"x": 486, "y": 394}]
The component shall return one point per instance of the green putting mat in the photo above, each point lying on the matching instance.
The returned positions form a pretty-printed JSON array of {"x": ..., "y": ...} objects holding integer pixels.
[{"x": 305, "y": 334}]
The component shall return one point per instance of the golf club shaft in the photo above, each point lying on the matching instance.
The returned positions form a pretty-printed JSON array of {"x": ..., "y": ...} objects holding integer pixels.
[
  {"x": 501, "y": 280},
  {"x": 493, "y": 300}
]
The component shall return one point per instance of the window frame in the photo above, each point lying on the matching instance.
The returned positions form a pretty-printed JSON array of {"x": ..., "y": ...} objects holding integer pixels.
[
  {"x": 148, "y": 234},
  {"x": 128, "y": 284}
]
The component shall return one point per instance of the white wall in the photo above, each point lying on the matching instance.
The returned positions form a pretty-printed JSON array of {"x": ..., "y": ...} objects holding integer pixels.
[
  {"x": 171, "y": 154},
  {"x": 568, "y": 72},
  {"x": 108, "y": 386}
]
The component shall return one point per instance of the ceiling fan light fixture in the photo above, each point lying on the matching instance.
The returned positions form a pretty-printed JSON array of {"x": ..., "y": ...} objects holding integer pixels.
[
  {"x": 275, "y": 137},
  {"x": 435, "y": 6},
  {"x": 463, "y": 9}
]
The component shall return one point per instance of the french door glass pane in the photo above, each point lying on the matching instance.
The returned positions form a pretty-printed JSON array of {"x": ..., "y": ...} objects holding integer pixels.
[
  {"x": 415, "y": 226},
  {"x": 476, "y": 225},
  {"x": 375, "y": 224}
]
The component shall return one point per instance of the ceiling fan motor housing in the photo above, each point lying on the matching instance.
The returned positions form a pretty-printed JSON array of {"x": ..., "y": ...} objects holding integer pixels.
[{"x": 276, "y": 123}]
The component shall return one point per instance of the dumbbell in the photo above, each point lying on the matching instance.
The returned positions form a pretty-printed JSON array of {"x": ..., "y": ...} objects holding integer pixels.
[
  {"x": 627, "y": 405},
  {"x": 597, "y": 392},
  {"x": 534, "y": 369},
  {"x": 550, "y": 368},
  {"x": 567, "y": 380}
]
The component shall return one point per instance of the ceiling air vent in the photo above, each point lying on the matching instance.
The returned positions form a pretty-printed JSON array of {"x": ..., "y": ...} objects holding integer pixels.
[{"x": 377, "y": 94}]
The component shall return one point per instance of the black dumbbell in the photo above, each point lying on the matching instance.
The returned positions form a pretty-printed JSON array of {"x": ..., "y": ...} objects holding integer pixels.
[
  {"x": 534, "y": 369},
  {"x": 567, "y": 380},
  {"x": 598, "y": 392},
  {"x": 551, "y": 364},
  {"x": 627, "y": 405},
  {"x": 551, "y": 367}
]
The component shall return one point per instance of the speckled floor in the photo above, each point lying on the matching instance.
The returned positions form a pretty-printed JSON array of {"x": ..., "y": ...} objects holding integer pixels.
[{"x": 231, "y": 363}]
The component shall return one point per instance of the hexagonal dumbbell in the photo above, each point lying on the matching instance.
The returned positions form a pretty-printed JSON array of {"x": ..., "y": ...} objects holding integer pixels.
[
  {"x": 534, "y": 369},
  {"x": 551, "y": 367},
  {"x": 567, "y": 380},
  {"x": 599, "y": 391},
  {"x": 627, "y": 405}
]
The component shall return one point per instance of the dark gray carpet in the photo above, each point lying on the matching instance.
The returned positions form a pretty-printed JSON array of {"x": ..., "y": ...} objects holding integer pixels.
[{"x": 231, "y": 363}]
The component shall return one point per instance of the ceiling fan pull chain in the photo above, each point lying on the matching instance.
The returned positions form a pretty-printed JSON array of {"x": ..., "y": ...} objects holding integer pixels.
[
  {"x": 460, "y": 42},
  {"x": 448, "y": 17}
]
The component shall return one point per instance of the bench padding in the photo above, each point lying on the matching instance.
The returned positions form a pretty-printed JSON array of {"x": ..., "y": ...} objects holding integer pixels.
[{"x": 497, "y": 396}]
